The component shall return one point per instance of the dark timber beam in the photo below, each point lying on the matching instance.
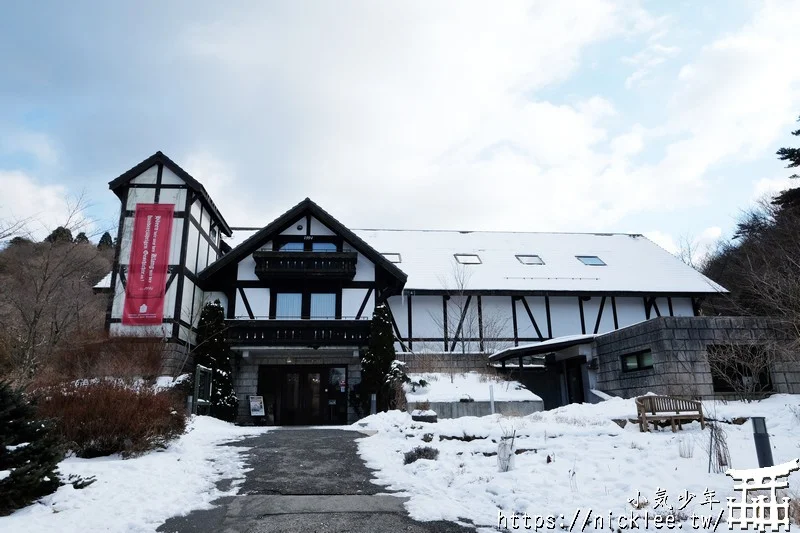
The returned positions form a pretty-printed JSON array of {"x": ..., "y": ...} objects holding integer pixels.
[
  {"x": 599, "y": 315},
  {"x": 460, "y": 323},
  {"x": 530, "y": 315}
]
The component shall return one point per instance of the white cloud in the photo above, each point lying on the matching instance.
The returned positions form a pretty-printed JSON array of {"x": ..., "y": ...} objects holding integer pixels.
[
  {"x": 699, "y": 246},
  {"x": 424, "y": 106},
  {"x": 36, "y": 144},
  {"x": 646, "y": 61},
  {"x": 769, "y": 187},
  {"x": 45, "y": 207}
]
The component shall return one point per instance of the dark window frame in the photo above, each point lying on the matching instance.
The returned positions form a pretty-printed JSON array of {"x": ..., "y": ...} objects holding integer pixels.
[
  {"x": 520, "y": 258},
  {"x": 399, "y": 257},
  {"x": 639, "y": 364},
  {"x": 721, "y": 385},
  {"x": 582, "y": 257},
  {"x": 305, "y": 302},
  {"x": 307, "y": 241},
  {"x": 480, "y": 261}
]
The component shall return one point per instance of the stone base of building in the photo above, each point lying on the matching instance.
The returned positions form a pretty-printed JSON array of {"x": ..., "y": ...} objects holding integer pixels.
[
  {"x": 679, "y": 348},
  {"x": 443, "y": 362},
  {"x": 297, "y": 386}
]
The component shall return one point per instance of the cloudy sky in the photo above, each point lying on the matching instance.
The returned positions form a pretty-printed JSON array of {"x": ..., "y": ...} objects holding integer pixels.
[{"x": 653, "y": 117}]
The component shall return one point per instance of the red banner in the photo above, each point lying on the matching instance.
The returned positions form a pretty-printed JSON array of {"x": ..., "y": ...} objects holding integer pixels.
[{"x": 148, "y": 265}]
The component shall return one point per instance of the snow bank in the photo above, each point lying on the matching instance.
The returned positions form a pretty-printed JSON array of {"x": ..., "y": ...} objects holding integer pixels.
[
  {"x": 442, "y": 387},
  {"x": 575, "y": 458},
  {"x": 139, "y": 494}
]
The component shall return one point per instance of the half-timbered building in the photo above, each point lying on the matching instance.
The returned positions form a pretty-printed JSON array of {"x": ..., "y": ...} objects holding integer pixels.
[{"x": 298, "y": 292}]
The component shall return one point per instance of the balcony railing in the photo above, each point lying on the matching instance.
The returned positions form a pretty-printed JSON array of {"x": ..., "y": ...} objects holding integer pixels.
[
  {"x": 297, "y": 332},
  {"x": 284, "y": 265}
]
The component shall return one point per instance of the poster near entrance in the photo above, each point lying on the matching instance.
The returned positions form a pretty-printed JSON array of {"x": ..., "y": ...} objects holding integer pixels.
[
  {"x": 257, "y": 406},
  {"x": 148, "y": 264}
]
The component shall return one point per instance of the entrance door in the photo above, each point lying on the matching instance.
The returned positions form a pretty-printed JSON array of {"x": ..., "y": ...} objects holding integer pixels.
[
  {"x": 301, "y": 397},
  {"x": 304, "y": 395}
]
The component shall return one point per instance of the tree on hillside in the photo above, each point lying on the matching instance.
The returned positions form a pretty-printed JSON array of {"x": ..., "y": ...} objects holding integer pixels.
[
  {"x": 105, "y": 242},
  {"x": 29, "y": 453},
  {"x": 11, "y": 228},
  {"x": 376, "y": 361},
  {"x": 212, "y": 351},
  {"x": 760, "y": 267},
  {"x": 46, "y": 299},
  {"x": 81, "y": 238},
  {"x": 791, "y": 197},
  {"x": 59, "y": 235}
]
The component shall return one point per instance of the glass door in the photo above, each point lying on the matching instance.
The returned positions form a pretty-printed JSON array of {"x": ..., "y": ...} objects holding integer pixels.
[{"x": 312, "y": 398}]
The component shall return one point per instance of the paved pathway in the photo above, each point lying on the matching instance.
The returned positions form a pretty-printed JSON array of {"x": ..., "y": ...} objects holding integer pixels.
[{"x": 309, "y": 480}]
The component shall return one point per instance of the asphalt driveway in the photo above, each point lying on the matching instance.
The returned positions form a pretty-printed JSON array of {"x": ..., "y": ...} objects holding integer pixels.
[{"x": 309, "y": 480}]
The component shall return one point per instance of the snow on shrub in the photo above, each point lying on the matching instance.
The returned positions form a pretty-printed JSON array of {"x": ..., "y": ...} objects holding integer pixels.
[
  {"x": 29, "y": 452},
  {"x": 420, "y": 452},
  {"x": 103, "y": 417}
]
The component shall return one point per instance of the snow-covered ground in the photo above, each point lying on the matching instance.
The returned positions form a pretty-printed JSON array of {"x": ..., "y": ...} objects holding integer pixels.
[
  {"x": 576, "y": 459},
  {"x": 444, "y": 387},
  {"x": 139, "y": 494}
]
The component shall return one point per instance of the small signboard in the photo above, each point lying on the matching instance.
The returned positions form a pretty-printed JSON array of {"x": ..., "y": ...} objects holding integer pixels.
[{"x": 257, "y": 406}]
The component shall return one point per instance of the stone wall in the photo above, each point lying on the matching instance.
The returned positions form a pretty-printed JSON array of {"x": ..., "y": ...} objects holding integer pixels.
[
  {"x": 678, "y": 346},
  {"x": 246, "y": 372},
  {"x": 176, "y": 361},
  {"x": 459, "y": 409},
  {"x": 443, "y": 362}
]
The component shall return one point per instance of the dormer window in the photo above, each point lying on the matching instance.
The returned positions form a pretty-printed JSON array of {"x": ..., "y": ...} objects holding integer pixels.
[
  {"x": 468, "y": 259},
  {"x": 590, "y": 260},
  {"x": 530, "y": 259},
  {"x": 392, "y": 257}
]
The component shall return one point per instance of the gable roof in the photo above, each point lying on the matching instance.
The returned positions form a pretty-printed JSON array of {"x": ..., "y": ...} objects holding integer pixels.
[
  {"x": 306, "y": 207},
  {"x": 193, "y": 184},
  {"x": 633, "y": 263}
]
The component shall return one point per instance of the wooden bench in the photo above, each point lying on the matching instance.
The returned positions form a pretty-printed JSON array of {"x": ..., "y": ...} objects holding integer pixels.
[{"x": 676, "y": 410}]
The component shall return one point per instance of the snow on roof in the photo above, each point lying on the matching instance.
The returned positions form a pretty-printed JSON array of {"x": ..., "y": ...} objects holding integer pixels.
[
  {"x": 633, "y": 263},
  {"x": 543, "y": 346},
  {"x": 104, "y": 283}
]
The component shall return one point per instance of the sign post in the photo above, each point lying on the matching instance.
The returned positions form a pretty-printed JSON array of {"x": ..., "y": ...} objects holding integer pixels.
[{"x": 761, "y": 438}]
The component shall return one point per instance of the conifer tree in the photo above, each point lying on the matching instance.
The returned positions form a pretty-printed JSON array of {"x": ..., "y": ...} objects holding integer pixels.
[
  {"x": 59, "y": 235},
  {"x": 790, "y": 198},
  {"x": 105, "y": 242},
  {"x": 81, "y": 238},
  {"x": 376, "y": 361},
  {"x": 212, "y": 351},
  {"x": 29, "y": 453}
]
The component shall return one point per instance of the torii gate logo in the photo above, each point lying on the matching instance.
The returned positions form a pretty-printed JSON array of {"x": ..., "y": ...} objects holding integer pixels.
[{"x": 759, "y": 512}]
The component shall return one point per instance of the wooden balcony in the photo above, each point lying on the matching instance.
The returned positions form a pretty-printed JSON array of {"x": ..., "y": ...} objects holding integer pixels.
[
  {"x": 272, "y": 265},
  {"x": 297, "y": 332}
]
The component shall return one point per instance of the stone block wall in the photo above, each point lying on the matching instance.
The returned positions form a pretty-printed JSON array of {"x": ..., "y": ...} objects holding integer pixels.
[
  {"x": 678, "y": 346},
  {"x": 443, "y": 362},
  {"x": 176, "y": 360},
  {"x": 245, "y": 378}
]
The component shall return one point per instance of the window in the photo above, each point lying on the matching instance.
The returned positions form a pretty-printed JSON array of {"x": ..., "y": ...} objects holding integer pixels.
[
  {"x": 468, "y": 259},
  {"x": 304, "y": 304},
  {"x": 323, "y": 305},
  {"x": 641, "y": 360},
  {"x": 288, "y": 305},
  {"x": 291, "y": 247},
  {"x": 530, "y": 259},
  {"x": 743, "y": 369},
  {"x": 323, "y": 247},
  {"x": 393, "y": 258},
  {"x": 591, "y": 260},
  {"x": 213, "y": 235}
]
